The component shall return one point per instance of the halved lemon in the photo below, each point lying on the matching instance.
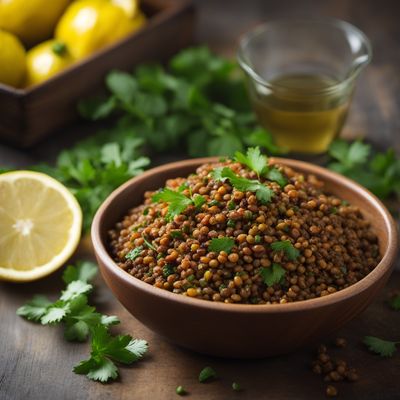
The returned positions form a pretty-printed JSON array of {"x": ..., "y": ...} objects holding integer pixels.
[{"x": 40, "y": 225}]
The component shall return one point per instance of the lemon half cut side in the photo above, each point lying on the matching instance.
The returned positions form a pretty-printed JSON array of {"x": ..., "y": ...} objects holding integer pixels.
[{"x": 40, "y": 225}]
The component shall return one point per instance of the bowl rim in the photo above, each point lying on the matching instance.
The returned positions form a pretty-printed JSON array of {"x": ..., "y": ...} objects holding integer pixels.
[{"x": 384, "y": 266}]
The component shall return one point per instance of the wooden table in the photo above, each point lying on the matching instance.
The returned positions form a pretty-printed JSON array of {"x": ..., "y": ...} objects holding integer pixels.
[{"x": 36, "y": 362}]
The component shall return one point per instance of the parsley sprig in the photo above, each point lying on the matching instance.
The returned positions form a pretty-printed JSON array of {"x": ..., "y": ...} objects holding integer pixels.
[
  {"x": 177, "y": 201},
  {"x": 263, "y": 192},
  {"x": 81, "y": 320}
]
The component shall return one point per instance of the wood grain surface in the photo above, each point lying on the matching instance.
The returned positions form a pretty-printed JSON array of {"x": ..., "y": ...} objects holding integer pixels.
[{"x": 36, "y": 362}]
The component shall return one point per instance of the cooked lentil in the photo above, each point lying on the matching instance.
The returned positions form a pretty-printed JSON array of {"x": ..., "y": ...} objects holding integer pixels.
[{"x": 336, "y": 249}]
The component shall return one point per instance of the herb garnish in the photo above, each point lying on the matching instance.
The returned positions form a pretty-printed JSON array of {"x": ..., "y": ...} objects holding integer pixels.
[
  {"x": 258, "y": 163},
  {"x": 168, "y": 270},
  {"x": 82, "y": 320},
  {"x": 206, "y": 374},
  {"x": 134, "y": 253},
  {"x": 382, "y": 347},
  {"x": 178, "y": 202},
  {"x": 148, "y": 244},
  {"x": 197, "y": 102},
  {"x": 263, "y": 192},
  {"x": 221, "y": 244},
  {"x": 253, "y": 159},
  {"x": 176, "y": 234},
  {"x": 106, "y": 350},
  {"x": 378, "y": 172},
  {"x": 286, "y": 246},
  {"x": 273, "y": 274}
]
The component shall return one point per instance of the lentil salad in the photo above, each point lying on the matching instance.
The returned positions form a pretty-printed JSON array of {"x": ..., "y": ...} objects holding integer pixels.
[{"x": 237, "y": 232}]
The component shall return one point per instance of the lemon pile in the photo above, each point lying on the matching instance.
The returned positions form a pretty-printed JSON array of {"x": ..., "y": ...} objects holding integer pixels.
[
  {"x": 40, "y": 225},
  {"x": 57, "y": 33}
]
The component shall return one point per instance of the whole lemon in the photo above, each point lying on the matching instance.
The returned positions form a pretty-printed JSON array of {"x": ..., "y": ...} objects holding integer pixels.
[
  {"x": 31, "y": 20},
  {"x": 131, "y": 7},
  {"x": 45, "y": 60},
  {"x": 88, "y": 25},
  {"x": 12, "y": 59}
]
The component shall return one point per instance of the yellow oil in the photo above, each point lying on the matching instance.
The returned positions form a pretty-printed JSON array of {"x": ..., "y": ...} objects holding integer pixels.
[{"x": 300, "y": 112}]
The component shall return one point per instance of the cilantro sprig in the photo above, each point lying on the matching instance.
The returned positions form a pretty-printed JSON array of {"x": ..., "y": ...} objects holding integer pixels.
[
  {"x": 177, "y": 201},
  {"x": 258, "y": 163},
  {"x": 108, "y": 349},
  {"x": 93, "y": 168},
  {"x": 263, "y": 192},
  {"x": 81, "y": 320},
  {"x": 272, "y": 275},
  {"x": 384, "y": 348},
  {"x": 287, "y": 247}
]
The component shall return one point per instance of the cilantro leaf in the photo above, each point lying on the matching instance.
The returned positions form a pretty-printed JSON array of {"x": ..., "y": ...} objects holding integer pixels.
[
  {"x": 253, "y": 159},
  {"x": 122, "y": 85},
  {"x": 273, "y": 174},
  {"x": 138, "y": 347},
  {"x": 84, "y": 271},
  {"x": 221, "y": 244},
  {"x": 263, "y": 192},
  {"x": 178, "y": 202},
  {"x": 55, "y": 313},
  {"x": 273, "y": 274},
  {"x": 394, "y": 302},
  {"x": 96, "y": 109},
  {"x": 349, "y": 154},
  {"x": 108, "y": 320},
  {"x": 286, "y": 246},
  {"x": 378, "y": 172},
  {"x": 382, "y": 347},
  {"x": 35, "y": 309},
  {"x": 176, "y": 234},
  {"x": 198, "y": 200},
  {"x": 216, "y": 174},
  {"x": 134, "y": 253},
  {"x": 260, "y": 137},
  {"x": 259, "y": 164},
  {"x": 168, "y": 270},
  {"x": 206, "y": 374},
  {"x": 74, "y": 289},
  {"x": 97, "y": 369}
]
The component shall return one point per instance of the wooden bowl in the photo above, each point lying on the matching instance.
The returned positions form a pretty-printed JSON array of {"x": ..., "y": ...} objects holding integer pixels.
[{"x": 241, "y": 330}]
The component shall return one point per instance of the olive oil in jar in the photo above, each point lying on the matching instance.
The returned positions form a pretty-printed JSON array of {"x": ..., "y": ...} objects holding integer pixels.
[{"x": 303, "y": 112}]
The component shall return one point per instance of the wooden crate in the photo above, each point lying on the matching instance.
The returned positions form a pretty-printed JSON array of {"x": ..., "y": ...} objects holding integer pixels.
[{"x": 28, "y": 115}]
